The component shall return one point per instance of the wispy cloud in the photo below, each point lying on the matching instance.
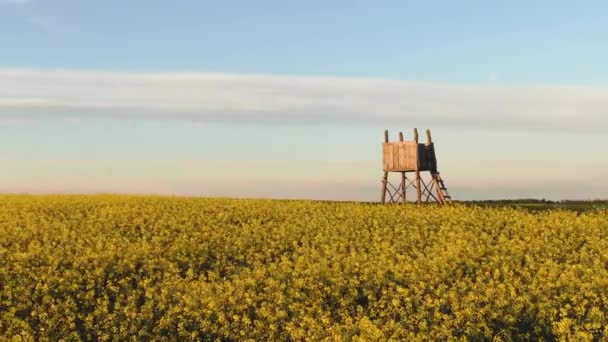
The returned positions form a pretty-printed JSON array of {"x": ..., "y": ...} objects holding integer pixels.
[
  {"x": 493, "y": 76},
  {"x": 46, "y": 24},
  {"x": 15, "y": 2},
  {"x": 225, "y": 97}
]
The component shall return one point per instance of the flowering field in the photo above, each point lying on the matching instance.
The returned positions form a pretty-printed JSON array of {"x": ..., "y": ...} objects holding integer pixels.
[{"x": 105, "y": 267}]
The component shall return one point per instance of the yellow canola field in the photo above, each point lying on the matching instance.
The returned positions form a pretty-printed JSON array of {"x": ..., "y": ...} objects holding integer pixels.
[{"x": 166, "y": 268}]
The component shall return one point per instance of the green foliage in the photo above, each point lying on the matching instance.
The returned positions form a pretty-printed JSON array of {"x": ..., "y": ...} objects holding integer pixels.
[
  {"x": 537, "y": 205},
  {"x": 126, "y": 267}
]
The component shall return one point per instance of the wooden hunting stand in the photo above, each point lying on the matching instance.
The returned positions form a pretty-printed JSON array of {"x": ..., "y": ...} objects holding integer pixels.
[{"x": 410, "y": 156}]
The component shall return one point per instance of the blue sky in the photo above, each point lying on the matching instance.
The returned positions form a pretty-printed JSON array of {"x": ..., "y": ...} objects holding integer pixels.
[
  {"x": 172, "y": 97},
  {"x": 467, "y": 41}
]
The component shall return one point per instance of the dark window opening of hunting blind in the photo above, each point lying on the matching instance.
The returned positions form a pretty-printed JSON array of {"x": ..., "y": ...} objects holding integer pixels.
[{"x": 408, "y": 156}]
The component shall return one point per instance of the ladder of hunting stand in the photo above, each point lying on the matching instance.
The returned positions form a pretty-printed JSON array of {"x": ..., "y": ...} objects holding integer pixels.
[{"x": 442, "y": 191}]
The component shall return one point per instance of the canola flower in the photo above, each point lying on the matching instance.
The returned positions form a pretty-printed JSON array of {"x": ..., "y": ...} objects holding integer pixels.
[{"x": 169, "y": 268}]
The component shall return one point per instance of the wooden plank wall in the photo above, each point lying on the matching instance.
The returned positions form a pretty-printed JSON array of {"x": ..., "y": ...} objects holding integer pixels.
[{"x": 400, "y": 156}]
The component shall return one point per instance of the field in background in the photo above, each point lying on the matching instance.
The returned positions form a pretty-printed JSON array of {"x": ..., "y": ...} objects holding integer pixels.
[
  {"x": 98, "y": 267},
  {"x": 532, "y": 204}
]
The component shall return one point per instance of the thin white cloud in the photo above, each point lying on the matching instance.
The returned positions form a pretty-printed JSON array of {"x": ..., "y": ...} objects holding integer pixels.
[
  {"x": 493, "y": 76},
  {"x": 17, "y": 2},
  {"x": 225, "y": 97},
  {"x": 47, "y": 24}
]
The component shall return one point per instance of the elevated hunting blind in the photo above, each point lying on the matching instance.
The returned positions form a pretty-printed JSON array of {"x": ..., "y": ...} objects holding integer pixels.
[{"x": 410, "y": 156}]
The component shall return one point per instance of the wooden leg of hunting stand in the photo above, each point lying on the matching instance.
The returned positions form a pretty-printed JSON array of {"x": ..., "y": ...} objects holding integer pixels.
[
  {"x": 385, "y": 178},
  {"x": 402, "y": 174},
  {"x": 384, "y": 181},
  {"x": 418, "y": 189},
  {"x": 403, "y": 186}
]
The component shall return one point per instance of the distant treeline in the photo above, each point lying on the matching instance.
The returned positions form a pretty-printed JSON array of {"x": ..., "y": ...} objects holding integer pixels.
[
  {"x": 543, "y": 204},
  {"x": 539, "y": 201}
]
